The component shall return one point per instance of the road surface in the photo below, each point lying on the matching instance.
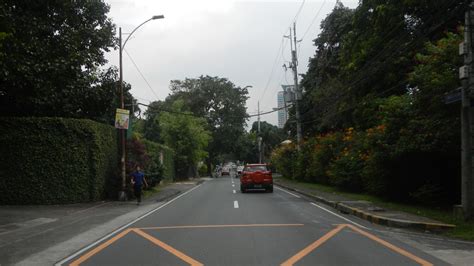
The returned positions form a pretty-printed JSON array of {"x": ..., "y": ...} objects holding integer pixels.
[{"x": 215, "y": 224}]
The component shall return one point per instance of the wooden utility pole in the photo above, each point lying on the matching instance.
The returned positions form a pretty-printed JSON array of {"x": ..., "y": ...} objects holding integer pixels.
[
  {"x": 294, "y": 67},
  {"x": 467, "y": 115},
  {"x": 259, "y": 137}
]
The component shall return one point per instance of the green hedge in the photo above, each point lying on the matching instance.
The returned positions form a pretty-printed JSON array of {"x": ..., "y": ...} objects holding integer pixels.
[
  {"x": 56, "y": 160},
  {"x": 154, "y": 149}
]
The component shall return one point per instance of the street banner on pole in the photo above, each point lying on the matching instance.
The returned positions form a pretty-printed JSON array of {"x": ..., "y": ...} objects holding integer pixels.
[{"x": 122, "y": 118}]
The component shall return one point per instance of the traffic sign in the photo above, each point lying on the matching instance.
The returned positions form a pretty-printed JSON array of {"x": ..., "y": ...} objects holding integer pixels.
[{"x": 453, "y": 96}]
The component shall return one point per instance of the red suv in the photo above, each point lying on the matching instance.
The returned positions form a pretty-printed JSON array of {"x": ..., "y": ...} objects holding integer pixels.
[{"x": 256, "y": 176}]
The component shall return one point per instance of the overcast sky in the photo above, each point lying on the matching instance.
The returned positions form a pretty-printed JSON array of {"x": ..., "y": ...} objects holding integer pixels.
[{"x": 238, "y": 40}]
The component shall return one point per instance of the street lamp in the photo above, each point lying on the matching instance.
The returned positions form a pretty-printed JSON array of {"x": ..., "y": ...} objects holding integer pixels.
[{"x": 122, "y": 194}]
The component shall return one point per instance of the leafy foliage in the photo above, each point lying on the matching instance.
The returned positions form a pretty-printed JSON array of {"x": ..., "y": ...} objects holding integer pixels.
[
  {"x": 50, "y": 55},
  {"x": 221, "y": 103},
  {"x": 373, "y": 111},
  {"x": 56, "y": 161},
  {"x": 187, "y": 136},
  {"x": 271, "y": 137}
]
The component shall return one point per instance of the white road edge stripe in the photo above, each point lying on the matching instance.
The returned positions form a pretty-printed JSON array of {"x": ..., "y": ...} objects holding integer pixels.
[
  {"x": 294, "y": 195},
  {"x": 333, "y": 213},
  {"x": 233, "y": 191},
  {"x": 123, "y": 227},
  {"x": 236, "y": 204},
  {"x": 342, "y": 217}
]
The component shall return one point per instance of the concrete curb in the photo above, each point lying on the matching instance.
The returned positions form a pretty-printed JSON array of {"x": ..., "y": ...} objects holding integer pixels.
[{"x": 376, "y": 219}]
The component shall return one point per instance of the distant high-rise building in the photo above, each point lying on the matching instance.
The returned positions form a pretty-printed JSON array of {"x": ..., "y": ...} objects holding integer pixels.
[
  {"x": 283, "y": 102},
  {"x": 282, "y": 114}
]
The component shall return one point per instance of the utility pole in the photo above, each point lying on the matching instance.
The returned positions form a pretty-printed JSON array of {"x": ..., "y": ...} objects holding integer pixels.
[
  {"x": 259, "y": 138},
  {"x": 122, "y": 193},
  {"x": 467, "y": 116},
  {"x": 294, "y": 67}
]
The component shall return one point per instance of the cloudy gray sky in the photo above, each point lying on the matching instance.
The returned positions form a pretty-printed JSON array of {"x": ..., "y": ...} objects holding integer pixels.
[{"x": 238, "y": 40}]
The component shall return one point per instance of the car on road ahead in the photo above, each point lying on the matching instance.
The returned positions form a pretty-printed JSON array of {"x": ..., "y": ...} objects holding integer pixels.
[
  {"x": 239, "y": 169},
  {"x": 225, "y": 171},
  {"x": 256, "y": 176}
]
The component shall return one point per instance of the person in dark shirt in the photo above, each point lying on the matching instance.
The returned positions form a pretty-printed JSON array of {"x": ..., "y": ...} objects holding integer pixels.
[{"x": 138, "y": 179}]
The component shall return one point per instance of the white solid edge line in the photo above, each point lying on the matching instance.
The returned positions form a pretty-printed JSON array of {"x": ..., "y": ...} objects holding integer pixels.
[
  {"x": 288, "y": 192},
  {"x": 236, "y": 204},
  {"x": 123, "y": 227},
  {"x": 342, "y": 217}
]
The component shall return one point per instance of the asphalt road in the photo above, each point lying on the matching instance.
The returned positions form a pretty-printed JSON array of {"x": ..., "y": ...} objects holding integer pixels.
[{"x": 215, "y": 224}]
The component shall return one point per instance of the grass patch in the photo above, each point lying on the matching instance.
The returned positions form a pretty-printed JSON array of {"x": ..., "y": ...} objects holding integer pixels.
[
  {"x": 152, "y": 191},
  {"x": 464, "y": 230}
]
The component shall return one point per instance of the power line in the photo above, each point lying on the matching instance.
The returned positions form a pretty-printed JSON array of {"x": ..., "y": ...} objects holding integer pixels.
[
  {"x": 198, "y": 116},
  {"x": 299, "y": 11},
  {"x": 385, "y": 52},
  {"x": 281, "y": 48},
  {"x": 310, "y": 25},
  {"x": 353, "y": 106},
  {"x": 141, "y": 74},
  {"x": 373, "y": 64},
  {"x": 314, "y": 19},
  {"x": 277, "y": 57}
]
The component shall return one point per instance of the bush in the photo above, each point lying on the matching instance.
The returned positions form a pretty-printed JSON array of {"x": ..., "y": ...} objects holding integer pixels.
[
  {"x": 403, "y": 157},
  {"x": 159, "y": 152},
  {"x": 155, "y": 159},
  {"x": 343, "y": 169},
  {"x": 325, "y": 149},
  {"x": 284, "y": 158},
  {"x": 56, "y": 161},
  {"x": 202, "y": 170}
]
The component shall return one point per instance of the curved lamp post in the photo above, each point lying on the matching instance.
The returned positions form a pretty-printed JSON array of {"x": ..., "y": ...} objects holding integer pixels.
[{"x": 122, "y": 194}]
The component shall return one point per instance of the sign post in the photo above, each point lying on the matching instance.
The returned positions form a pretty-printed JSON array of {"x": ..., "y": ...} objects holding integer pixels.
[{"x": 122, "y": 118}]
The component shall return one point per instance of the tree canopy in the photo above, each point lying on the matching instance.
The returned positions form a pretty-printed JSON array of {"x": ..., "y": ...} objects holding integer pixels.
[
  {"x": 221, "y": 103},
  {"x": 186, "y": 135},
  {"x": 50, "y": 54},
  {"x": 373, "y": 111},
  {"x": 367, "y": 53}
]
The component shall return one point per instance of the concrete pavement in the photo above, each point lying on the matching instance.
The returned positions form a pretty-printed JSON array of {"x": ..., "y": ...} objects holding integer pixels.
[
  {"x": 214, "y": 224},
  {"x": 42, "y": 235},
  {"x": 365, "y": 209}
]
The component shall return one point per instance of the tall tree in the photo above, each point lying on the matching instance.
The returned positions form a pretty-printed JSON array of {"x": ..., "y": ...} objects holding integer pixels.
[
  {"x": 50, "y": 53},
  {"x": 221, "y": 103},
  {"x": 367, "y": 53},
  {"x": 271, "y": 136},
  {"x": 187, "y": 136},
  {"x": 152, "y": 122},
  {"x": 321, "y": 83}
]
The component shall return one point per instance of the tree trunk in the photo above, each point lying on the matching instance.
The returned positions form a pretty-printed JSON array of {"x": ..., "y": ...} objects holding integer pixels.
[{"x": 209, "y": 166}]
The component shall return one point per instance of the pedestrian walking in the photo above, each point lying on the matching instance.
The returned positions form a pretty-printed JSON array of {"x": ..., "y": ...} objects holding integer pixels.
[{"x": 138, "y": 180}]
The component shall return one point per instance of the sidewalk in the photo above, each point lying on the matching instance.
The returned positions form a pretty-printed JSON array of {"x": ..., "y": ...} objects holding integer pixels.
[
  {"x": 42, "y": 235},
  {"x": 365, "y": 209}
]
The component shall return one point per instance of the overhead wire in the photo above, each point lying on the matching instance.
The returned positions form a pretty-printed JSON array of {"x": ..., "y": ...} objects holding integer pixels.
[
  {"x": 281, "y": 49},
  {"x": 141, "y": 74},
  {"x": 198, "y": 116},
  {"x": 277, "y": 57},
  {"x": 314, "y": 19},
  {"x": 299, "y": 11},
  {"x": 384, "y": 52},
  {"x": 309, "y": 27}
]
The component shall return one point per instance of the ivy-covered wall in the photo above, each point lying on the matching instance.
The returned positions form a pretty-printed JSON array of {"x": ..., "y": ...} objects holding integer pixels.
[{"x": 56, "y": 160}]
